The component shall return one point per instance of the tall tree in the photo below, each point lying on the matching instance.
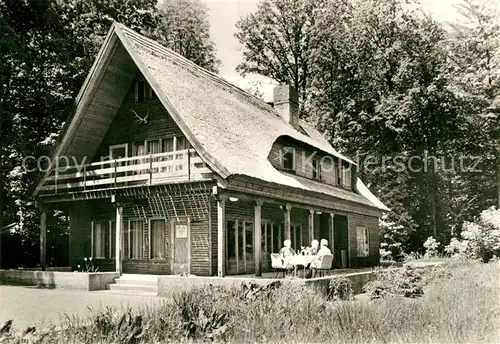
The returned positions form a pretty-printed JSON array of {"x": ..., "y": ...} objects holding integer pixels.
[
  {"x": 47, "y": 48},
  {"x": 184, "y": 27},
  {"x": 475, "y": 53},
  {"x": 88, "y": 22},
  {"x": 380, "y": 88},
  {"x": 276, "y": 39},
  {"x": 36, "y": 93}
]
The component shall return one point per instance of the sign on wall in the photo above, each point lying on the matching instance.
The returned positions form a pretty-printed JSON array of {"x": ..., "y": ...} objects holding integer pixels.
[{"x": 181, "y": 231}]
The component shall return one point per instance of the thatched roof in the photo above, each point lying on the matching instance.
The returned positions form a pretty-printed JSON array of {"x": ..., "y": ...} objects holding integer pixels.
[{"x": 231, "y": 129}]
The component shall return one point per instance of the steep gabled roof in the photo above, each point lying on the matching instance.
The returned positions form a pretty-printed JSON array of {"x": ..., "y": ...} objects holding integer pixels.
[{"x": 232, "y": 130}]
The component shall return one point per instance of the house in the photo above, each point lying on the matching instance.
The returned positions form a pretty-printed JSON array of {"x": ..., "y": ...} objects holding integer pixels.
[{"x": 166, "y": 168}]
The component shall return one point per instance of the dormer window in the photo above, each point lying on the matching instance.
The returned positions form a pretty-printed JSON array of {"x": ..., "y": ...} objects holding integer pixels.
[
  {"x": 288, "y": 162},
  {"x": 316, "y": 164},
  {"x": 346, "y": 177}
]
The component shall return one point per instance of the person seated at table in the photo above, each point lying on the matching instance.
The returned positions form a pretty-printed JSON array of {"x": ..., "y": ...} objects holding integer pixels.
[
  {"x": 313, "y": 250},
  {"x": 323, "y": 251},
  {"x": 287, "y": 250}
]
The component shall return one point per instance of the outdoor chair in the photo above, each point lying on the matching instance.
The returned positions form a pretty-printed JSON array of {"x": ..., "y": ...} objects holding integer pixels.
[
  {"x": 323, "y": 263},
  {"x": 278, "y": 265}
]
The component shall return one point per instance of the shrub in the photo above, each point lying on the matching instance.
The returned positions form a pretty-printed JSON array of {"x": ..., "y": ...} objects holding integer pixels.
[
  {"x": 405, "y": 282},
  {"x": 200, "y": 320},
  {"x": 431, "y": 246},
  {"x": 479, "y": 239},
  {"x": 340, "y": 288}
]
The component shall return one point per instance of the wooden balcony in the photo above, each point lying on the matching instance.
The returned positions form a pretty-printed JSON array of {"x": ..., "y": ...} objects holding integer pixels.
[{"x": 153, "y": 169}]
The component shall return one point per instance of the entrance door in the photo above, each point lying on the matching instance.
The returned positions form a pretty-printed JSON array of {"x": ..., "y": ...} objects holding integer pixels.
[
  {"x": 239, "y": 247},
  {"x": 180, "y": 244},
  {"x": 341, "y": 237}
]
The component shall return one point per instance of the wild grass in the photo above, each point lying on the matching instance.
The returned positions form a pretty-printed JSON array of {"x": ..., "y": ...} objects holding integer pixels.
[{"x": 460, "y": 305}]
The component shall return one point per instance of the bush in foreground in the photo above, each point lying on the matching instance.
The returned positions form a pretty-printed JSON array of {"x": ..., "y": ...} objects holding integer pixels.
[
  {"x": 405, "y": 282},
  {"x": 460, "y": 306},
  {"x": 479, "y": 239}
]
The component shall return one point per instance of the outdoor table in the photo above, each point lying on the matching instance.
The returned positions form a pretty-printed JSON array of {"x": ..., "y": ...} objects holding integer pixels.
[{"x": 299, "y": 259}]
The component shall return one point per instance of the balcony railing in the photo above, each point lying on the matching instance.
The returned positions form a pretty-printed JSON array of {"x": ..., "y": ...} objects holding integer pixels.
[{"x": 161, "y": 168}]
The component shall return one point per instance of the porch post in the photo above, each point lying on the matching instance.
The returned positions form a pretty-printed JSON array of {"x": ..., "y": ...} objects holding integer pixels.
[
  {"x": 118, "y": 239},
  {"x": 258, "y": 238},
  {"x": 43, "y": 239},
  {"x": 221, "y": 237},
  {"x": 311, "y": 225},
  {"x": 332, "y": 232},
  {"x": 288, "y": 233}
]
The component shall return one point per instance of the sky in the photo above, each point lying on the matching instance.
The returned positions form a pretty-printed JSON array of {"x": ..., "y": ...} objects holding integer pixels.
[{"x": 223, "y": 15}]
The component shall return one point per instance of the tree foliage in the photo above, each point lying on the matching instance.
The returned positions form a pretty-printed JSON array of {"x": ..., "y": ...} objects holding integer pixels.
[
  {"x": 385, "y": 81},
  {"x": 276, "y": 40},
  {"x": 183, "y": 27}
]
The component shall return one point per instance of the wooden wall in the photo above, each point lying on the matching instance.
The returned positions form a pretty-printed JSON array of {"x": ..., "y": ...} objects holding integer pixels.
[
  {"x": 84, "y": 212},
  {"x": 370, "y": 222},
  {"x": 125, "y": 129}
]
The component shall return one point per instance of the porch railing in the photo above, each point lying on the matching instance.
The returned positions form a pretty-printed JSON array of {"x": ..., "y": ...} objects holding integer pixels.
[{"x": 161, "y": 168}]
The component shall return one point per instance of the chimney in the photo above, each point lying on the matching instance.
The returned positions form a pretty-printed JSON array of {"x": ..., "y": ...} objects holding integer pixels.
[{"x": 286, "y": 102}]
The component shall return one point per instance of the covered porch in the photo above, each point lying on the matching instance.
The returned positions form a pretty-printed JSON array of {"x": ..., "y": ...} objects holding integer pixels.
[{"x": 250, "y": 228}]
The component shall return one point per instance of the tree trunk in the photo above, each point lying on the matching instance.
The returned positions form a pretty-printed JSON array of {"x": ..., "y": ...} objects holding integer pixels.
[
  {"x": 498, "y": 176},
  {"x": 432, "y": 193}
]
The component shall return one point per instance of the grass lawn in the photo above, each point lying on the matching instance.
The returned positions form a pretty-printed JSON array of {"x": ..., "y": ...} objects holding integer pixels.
[{"x": 460, "y": 305}]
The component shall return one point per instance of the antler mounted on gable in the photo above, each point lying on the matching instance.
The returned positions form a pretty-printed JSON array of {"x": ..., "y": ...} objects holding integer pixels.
[{"x": 139, "y": 119}]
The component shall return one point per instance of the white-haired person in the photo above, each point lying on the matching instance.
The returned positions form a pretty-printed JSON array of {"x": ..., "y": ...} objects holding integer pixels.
[
  {"x": 323, "y": 251},
  {"x": 314, "y": 247},
  {"x": 286, "y": 252}
]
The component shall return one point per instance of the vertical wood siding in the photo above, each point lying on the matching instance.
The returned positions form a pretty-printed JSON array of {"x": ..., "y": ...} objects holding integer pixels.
[{"x": 371, "y": 223}]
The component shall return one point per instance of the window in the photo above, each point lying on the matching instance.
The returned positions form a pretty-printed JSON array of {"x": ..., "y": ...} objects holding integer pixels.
[
  {"x": 140, "y": 91},
  {"x": 139, "y": 148},
  {"x": 338, "y": 171},
  {"x": 231, "y": 239},
  {"x": 249, "y": 240},
  {"x": 288, "y": 158},
  {"x": 182, "y": 143},
  {"x": 98, "y": 239},
  {"x": 152, "y": 94},
  {"x": 316, "y": 168},
  {"x": 112, "y": 239},
  {"x": 153, "y": 147},
  {"x": 363, "y": 241},
  {"x": 168, "y": 145},
  {"x": 157, "y": 237},
  {"x": 346, "y": 176},
  {"x": 135, "y": 233},
  {"x": 335, "y": 173}
]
